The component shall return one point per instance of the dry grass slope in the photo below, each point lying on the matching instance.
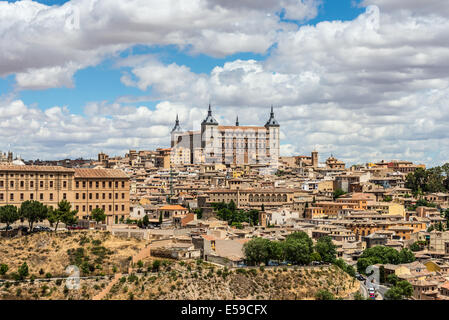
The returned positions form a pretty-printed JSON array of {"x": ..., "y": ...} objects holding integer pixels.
[
  {"x": 98, "y": 250},
  {"x": 208, "y": 282}
]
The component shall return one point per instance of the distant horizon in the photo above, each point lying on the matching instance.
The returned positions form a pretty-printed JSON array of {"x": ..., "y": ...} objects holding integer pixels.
[
  {"x": 95, "y": 158},
  {"x": 363, "y": 79}
]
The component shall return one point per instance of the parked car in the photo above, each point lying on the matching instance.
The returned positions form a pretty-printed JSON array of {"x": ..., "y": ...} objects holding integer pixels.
[
  {"x": 6, "y": 228},
  {"x": 359, "y": 277},
  {"x": 23, "y": 229},
  {"x": 76, "y": 228}
]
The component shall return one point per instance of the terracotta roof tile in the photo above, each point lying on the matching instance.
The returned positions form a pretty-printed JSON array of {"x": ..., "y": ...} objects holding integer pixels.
[
  {"x": 35, "y": 168},
  {"x": 100, "y": 173}
]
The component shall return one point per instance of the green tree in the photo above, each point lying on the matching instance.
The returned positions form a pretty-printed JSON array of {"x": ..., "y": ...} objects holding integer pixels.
[
  {"x": 392, "y": 279},
  {"x": 8, "y": 215},
  {"x": 338, "y": 193},
  {"x": 383, "y": 255},
  {"x": 358, "y": 296},
  {"x": 401, "y": 290},
  {"x": 298, "y": 251},
  {"x": 406, "y": 288},
  {"x": 300, "y": 235},
  {"x": 33, "y": 211},
  {"x": 382, "y": 278},
  {"x": 394, "y": 294},
  {"x": 156, "y": 265},
  {"x": 276, "y": 251},
  {"x": 257, "y": 250},
  {"x": 315, "y": 256},
  {"x": 406, "y": 256},
  {"x": 145, "y": 221},
  {"x": 199, "y": 213},
  {"x": 345, "y": 267},
  {"x": 62, "y": 214},
  {"x": 327, "y": 249},
  {"x": 232, "y": 206},
  {"x": 98, "y": 215},
  {"x": 415, "y": 247},
  {"x": 324, "y": 295},
  {"x": 23, "y": 271},
  {"x": 3, "y": 269}
]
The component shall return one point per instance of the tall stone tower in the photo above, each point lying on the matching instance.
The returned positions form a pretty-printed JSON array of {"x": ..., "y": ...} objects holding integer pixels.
[
  {"x": 315, "y": 159},
  {"x": 176, "y": 131},
  {"x": 272, "y": 127},
  {"x": 210, "y": 142}
]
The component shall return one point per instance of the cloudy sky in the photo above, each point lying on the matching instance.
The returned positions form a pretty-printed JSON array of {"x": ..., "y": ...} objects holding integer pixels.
[{"x": 363, "y": 80}]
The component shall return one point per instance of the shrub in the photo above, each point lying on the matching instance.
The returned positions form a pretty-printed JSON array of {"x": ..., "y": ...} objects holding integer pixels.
[
  {"x": 48, "y": 275},
  {"x": 3, "y": 269},
  {"x": 156, "y": 265},
  {"x": 241, "y": 271},
  {"x": 324, "y": 295},
  {"x": 133, "y": 278},
  {"x": 23, "y": 271},
  {"x": 253, "y": 272}
]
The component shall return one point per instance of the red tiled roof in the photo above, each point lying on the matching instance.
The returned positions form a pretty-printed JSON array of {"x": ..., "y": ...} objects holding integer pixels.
[
  {"x": 208, "y": 237},
  {"x": 172, "y": 207},
  {"x": 99, "y": 173},
  {"x": 35, "y": 168}
]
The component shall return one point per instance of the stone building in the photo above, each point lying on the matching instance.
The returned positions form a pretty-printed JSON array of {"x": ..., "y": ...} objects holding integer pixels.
[
  {"x": 226, "y": 144},
  {"x": 85, "y": 189}
]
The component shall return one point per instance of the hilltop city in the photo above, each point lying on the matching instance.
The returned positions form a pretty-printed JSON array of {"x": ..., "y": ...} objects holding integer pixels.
[{"x": 219, "y": 207}]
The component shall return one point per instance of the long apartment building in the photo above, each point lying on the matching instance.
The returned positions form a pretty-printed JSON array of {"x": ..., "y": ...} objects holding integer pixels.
[
  {"x": 85, "y": 189},
  {"x": 253, "y": 198}
]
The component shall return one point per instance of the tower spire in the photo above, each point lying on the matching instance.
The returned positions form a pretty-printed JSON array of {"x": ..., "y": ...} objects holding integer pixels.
[
  {"x": 272, "y": 121},
  {"x": 210, "y": 119},
  {"x": 237, "y": 122},
  {"x": 177, "y": 127}
]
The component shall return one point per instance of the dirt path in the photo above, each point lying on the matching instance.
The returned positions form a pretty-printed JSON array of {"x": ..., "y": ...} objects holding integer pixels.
[{"x": 106, "y": 290}]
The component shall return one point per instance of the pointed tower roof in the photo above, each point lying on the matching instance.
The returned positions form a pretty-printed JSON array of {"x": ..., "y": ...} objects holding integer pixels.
[
  {"x": 177, "y": 127},
  {"x": 237, "y": 122},
  {"x": 272, "y": 121},
  {"x": 210, "y": 120}
]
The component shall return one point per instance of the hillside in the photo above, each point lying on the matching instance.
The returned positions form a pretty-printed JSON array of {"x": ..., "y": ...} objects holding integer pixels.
[
  {"x": 207, "y": 282},
  {"x": 95, "y": 252},
  {"x": 100, "y": 256}
]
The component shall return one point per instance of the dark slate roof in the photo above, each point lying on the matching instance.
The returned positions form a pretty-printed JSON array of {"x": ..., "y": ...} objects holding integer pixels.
[
  {"x": 177, "y": 127},
  {"x": 272, "y": 121},
  {"x": 210, "y": 119}
]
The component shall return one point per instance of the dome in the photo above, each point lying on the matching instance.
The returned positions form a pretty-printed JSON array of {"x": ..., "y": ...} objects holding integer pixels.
[{"x": 18, "y": 162}]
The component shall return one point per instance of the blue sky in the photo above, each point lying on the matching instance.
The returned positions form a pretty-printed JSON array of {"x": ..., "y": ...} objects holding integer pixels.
[
  {"x": 370, "y": 83},
  {"x": 102, "y": 82}
]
